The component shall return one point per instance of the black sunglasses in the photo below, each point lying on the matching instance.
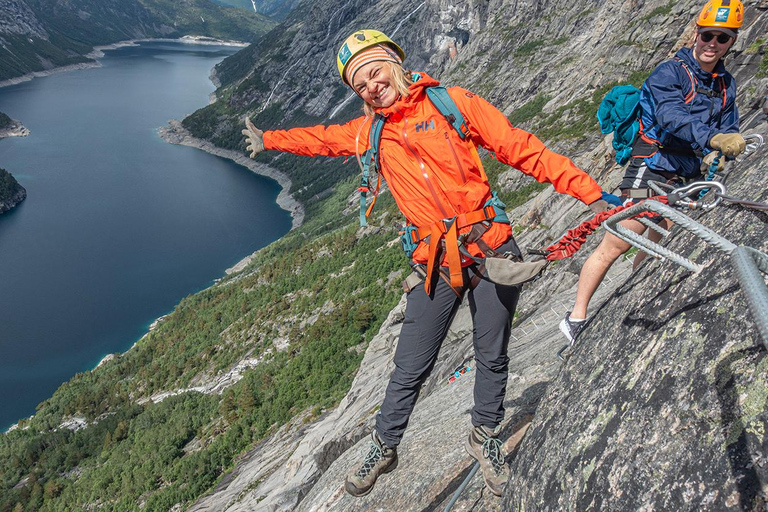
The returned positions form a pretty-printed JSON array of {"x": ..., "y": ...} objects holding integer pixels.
[{"x": 708, "y": 36}]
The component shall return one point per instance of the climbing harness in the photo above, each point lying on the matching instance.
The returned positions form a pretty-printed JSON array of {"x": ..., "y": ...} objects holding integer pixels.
[{"x": 444, "y": 238}]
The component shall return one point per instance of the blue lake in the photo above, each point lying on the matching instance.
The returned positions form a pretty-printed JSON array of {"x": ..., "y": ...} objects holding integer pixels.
[{"x": 118, "y": 225}]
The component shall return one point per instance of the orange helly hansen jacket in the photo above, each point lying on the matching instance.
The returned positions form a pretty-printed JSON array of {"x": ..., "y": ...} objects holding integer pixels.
[{"x": 431, "y": 172}]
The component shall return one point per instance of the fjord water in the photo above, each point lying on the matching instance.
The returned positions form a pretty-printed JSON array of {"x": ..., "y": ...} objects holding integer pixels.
[{"x": 118, "y": 226}]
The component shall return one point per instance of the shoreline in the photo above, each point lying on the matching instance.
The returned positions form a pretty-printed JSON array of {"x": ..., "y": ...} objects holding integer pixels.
[
  {"x": 15, "y": 129},
  {"x": 98, "y": 52},
  {"x": 175, "y": 133}
]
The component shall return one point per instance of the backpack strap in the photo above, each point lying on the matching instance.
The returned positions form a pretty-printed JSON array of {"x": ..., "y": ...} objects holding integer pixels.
[
  {"x": 370, "y": 157},
  {"x": 695, "y": 88},
  {"x": 445, "y": 105}
]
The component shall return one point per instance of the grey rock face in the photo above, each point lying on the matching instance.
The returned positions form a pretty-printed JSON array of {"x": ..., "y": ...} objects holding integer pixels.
[
  {"x": 661, "y": 405},
  {"x": 17, "y": 18}
]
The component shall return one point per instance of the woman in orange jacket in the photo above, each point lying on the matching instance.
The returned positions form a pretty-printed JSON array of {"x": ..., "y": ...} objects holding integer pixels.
[{"x": 436, "y": 177}]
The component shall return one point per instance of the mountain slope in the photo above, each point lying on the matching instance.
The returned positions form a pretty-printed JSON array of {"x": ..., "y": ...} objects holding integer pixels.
[
  {"x": 252, "y": 394},
  {"x": 277, "y": 9},
  {"x": 37, "y": 35}
]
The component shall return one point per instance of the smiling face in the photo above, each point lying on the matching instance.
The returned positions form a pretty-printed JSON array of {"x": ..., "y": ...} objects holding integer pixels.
[
  {"x": 707, "y": 53},
  {"x": 373, "y": 83}
]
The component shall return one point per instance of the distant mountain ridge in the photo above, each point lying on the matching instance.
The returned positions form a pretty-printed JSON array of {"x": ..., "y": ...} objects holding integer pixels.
[
  {"x": 277, "y": 9},
  {"x": 37, "y": 35}
]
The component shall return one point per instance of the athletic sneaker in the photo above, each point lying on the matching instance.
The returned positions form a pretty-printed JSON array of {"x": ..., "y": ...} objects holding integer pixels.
[
  {"x": 572, "y": 328},
  {"x": 379, "y": 460},
  {"x": 484, "y": 445}
]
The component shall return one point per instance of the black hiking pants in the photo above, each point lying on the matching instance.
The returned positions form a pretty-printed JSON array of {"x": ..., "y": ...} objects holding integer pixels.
[{"x": 424, "y": 328}]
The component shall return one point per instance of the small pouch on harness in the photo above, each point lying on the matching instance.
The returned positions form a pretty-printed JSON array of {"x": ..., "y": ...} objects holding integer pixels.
[
  {"x": 507, "y": 272},
  {"x": 414, "y": 279}
]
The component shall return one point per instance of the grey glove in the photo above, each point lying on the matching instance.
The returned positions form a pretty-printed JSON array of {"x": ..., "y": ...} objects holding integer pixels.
[
  {"x": 254, "y": 138},
  {"x": 730, "y": 144},
  {"x": 709, "y": 159},
  {"x": 600, "y": 205}
]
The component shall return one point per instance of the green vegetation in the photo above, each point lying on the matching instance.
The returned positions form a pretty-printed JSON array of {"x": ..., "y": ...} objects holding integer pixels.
[
  {"x": 663, "y": 10},
  {"x": 578, "y": 119},
  {"x": 763, "y": 69},
  {"x": 277, "y": 9},
  {"x": 22, "y": 55},
  {"x": 530, "y": 110},
  {"x": 8, "y": 185},
  {"x": 5, "y": 121},
  {"x": 75, "y": 27},
  {"x": 532, "y": 47}
]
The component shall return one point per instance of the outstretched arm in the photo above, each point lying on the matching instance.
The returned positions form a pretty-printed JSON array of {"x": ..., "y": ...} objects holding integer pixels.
[
  {"x": 334, "y": 140},
  {"x": 522, "y": 150}
]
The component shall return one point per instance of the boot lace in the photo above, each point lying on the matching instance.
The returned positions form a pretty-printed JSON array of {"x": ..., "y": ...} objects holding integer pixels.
[
  {"x": 492, "y": 452},
  {"x": 373, "y": 456}
]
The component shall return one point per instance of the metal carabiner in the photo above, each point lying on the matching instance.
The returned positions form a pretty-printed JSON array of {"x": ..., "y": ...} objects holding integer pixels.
[
  {"x": 754, "y": 141},
  {"x": 678, "y": 195}
]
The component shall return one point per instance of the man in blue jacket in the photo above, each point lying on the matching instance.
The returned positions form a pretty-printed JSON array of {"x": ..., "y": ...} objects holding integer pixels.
[{"x": 689, "y": 114}]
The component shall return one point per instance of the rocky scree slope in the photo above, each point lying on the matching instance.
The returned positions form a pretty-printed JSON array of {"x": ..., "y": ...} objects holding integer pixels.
[{"x": 547, "y": 66}]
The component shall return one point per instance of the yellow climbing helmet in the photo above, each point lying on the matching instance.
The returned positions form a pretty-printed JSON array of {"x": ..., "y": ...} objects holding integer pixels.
[
  {"x": 722, "y": 14},
  {"x": 358, "y": 42}
]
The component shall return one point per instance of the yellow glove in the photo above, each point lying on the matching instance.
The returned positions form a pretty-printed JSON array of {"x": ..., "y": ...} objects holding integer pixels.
[
  {"x": 731, "y": 144},
  {"x": 254, "y": 138},
  {"x": 709, "y": 159}
]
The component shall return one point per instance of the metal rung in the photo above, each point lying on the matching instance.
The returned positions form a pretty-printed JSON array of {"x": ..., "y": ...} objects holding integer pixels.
[{"x": 612, "y": 226}]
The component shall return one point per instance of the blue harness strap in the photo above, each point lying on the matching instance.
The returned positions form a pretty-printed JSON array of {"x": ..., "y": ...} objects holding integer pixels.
[
  {"x": 371, "y": 156},
  {"x": 444, "y": 103}
]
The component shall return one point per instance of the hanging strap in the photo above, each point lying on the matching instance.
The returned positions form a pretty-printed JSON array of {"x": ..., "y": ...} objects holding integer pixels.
[
  {"x": 443, "y": 235},
  {"x": 368, "y": 159}
]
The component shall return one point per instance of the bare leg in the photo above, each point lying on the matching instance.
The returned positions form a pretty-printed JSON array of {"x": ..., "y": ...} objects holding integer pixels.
[
  {"x": 597, "y": 265},
  {"x": 653, "y": 236}
]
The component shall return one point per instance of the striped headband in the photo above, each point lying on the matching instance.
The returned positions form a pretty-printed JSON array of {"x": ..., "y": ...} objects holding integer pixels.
[{"x": 378, "y": 52}]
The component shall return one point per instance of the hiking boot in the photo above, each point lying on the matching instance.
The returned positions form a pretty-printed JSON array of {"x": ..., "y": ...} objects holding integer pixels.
[
  {"x": 484, "y": 445},
  {"x": 572, "y": 328},
  {"x": 379, "y": 460}
]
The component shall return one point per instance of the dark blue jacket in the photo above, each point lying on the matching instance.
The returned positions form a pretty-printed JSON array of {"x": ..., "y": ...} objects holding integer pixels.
[{"x": 682, "y": 121}]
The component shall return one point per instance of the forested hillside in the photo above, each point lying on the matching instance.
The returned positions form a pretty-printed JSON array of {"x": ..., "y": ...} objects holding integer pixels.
[
  {"x": 38, "y": 35},
  {"x": 11, "y": 193}
]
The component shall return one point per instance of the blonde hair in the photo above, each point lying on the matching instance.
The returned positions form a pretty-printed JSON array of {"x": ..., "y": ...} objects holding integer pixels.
[{"x": 401, "y": 81}]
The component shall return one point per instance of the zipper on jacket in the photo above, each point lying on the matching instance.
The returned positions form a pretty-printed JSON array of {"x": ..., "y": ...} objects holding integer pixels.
[
  {"x": 455, "y": 158},
  {"x": 423, "y": 169}
]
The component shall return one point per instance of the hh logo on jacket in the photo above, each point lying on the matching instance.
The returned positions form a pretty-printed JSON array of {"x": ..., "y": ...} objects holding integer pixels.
[{"x": 425, "y": 125}]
